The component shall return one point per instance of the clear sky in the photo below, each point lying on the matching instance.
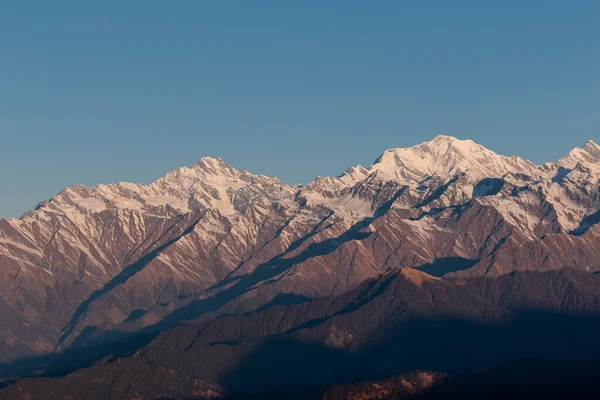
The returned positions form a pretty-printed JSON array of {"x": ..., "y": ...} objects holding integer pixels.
[{"x": 113, "y": 90}]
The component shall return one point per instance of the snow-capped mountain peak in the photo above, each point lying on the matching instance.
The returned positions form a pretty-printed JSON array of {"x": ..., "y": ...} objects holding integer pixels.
[
  {"x": 587, "y": 156},
  {"x": 211, "y": 183},
  {"x": 446, "y": 156},
  {"x": 206, "y": 169},
  {"x": 215, "y": 166}
]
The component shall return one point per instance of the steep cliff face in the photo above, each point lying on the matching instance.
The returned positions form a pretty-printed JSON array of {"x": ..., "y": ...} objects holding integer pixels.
[{"x": 208, "y": 239}]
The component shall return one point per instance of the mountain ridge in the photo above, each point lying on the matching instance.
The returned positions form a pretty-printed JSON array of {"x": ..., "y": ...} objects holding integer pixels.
[
  {"x": 210, "y": 239},
  {"x": 215, "y": 167}
]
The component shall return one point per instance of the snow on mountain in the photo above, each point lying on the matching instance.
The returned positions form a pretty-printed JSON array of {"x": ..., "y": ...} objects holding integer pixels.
[
  {"x": 466, "y": 167},
  {"x": 586, "y": 158},
  {"x": 100, "y": 256},
  {"x": 210, "y": 183},
  {"x": 446, "y": 156}
]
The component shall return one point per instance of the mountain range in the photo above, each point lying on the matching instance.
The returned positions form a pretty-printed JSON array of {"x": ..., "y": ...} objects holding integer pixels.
[{"x": 444, "y": 257}]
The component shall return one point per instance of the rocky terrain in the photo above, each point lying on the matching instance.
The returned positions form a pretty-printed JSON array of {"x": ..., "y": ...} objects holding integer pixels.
[
  {"x": 395, "y": 388},
  {"x": 129, "y": 264},
  {"x": 402, "y": 321},
  {"x": 526, "y": 379}
]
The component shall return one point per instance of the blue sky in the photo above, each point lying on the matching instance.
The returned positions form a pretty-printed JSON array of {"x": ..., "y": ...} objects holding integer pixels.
[{"x": 105, "y": 91}]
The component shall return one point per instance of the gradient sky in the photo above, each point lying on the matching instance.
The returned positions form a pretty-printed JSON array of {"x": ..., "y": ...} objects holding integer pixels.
[{"x": 105, "y": 91}]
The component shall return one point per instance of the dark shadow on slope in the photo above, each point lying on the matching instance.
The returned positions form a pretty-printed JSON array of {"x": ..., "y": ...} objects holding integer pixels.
[
  {"x": 135, "y": 314},
  {"x": 283, "y": 364},
  {"x": 436, "y": 193},
  {"x": 488, "y": 187},
  {"x": 546, "y": 379},
  {"x": 297, "y": 243},
  {"x": 284, "y": 299},
  {"x": 433, "y": 211},
  {"x": 442, "y": 266},
  {"x": 86, "y": 334},
  {"x": 561, "y": 174},
  {"x": 293, "y": 246},
  {"x": 587, "y": 223},
  {"x": 519, "y": 189},
  {"x": 121, "y": 278},
  {"x": 524, "y": 379},
  {"x": 71, "y": 359},
  {"x": 365, "y": 297}
]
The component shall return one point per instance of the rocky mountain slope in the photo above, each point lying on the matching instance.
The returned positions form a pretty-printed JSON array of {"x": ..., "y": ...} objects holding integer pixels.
[
  {"x": 209, "y": 240},
  {"x": 402, "y": 321},
  {"x": 396, "y": 388},
  {"x": 526, "y": 379}
]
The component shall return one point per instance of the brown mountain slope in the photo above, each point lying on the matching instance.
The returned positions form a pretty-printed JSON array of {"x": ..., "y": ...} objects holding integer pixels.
[
  {"x": 397, "y": 388},
  {"x": 402, "y": 321}
]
